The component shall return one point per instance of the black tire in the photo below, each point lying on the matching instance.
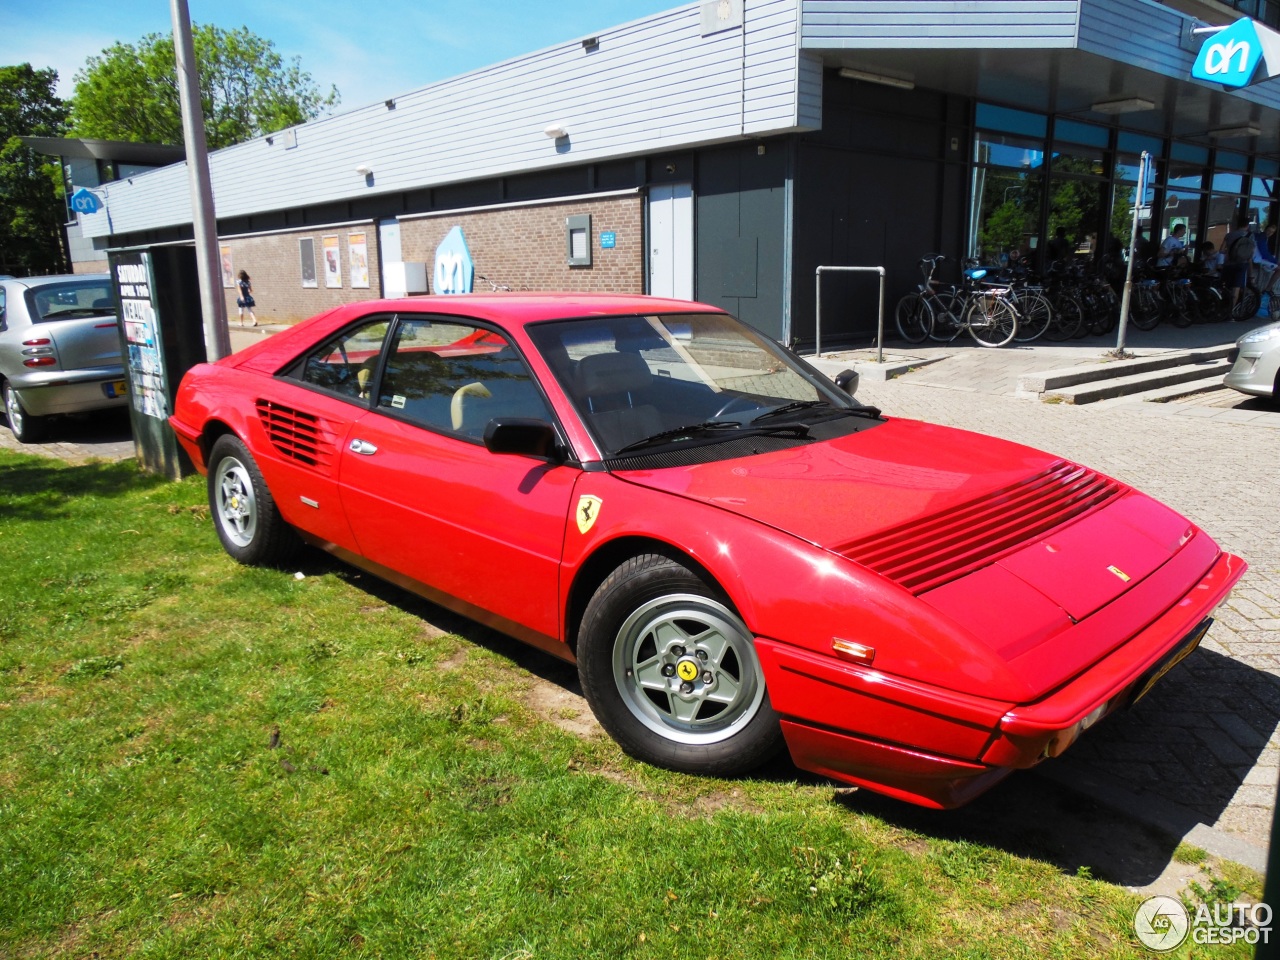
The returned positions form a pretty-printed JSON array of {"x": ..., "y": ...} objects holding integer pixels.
[
  {"x": 671, "y": 672},
  {"x": 948, "y": 317},
  {"x": 244, "y": 512},
  {"x": 1035, "y": 315},
  {"x": 1144, "y": 308},
  {"x": 914, "y": 318},
  {"x": 25, "y": 427}
]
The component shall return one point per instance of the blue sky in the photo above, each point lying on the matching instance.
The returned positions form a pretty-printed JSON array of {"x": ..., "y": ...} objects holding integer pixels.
[{"x": 370, "y": 50}]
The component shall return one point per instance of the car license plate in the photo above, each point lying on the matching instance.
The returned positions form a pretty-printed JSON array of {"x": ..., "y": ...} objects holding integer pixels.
[
  {"x": 116, "y": 388},
  {"x": 1160, "y": 669}
]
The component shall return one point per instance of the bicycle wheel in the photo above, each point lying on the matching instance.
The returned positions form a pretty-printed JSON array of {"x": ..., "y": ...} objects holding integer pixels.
[
  {"x": 914, "y": 318},
  {"x": 1068, "y": 318},
  {"x": 1181, "y": 308},
  {"x": 1248, "y": 305},
  {"x": 948, "y": 317},
  {"x": 1144, "y": 308},
  {"x": 991, "y": 320},
  {"x": 1035, "y": 313}
]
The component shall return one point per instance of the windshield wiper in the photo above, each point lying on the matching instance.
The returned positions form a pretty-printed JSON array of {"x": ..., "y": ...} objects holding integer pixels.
[
  {"x": 798, "y": 405},
  {"x": 725, "y": 429}
]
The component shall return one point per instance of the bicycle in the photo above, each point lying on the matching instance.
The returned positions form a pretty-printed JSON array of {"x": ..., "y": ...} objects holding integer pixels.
[{"x": 943, "y": 314}]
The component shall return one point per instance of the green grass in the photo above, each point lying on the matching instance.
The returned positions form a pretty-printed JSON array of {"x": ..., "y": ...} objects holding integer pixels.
[{"x": 204, "y": 760}]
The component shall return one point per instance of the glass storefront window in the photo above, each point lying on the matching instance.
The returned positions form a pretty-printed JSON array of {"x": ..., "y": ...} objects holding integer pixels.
[
  {"x": 1071, "y": 131},
  {"x": 1260, "y": 202},
  {"x": 1079, "y": 160},
  {"x": 1003, "y": 150},
  {"x": 1181, "y": 206},
  {"x": 1006, "y": 205},
  {"x": 991, "y": 117},
  {"x": 1228, "y": 183},
  {"x": 1076, "y": 206}
]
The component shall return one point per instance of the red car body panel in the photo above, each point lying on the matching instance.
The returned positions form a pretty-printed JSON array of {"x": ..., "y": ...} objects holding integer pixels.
[{"x": 1009, "y": 599}]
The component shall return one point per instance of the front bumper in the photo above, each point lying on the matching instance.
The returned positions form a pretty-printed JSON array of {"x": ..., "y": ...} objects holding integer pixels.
[
  {"x": 43, "y": 393},
  {"x": 1254, "y": 370},
  {"x": 941, "y": 748}
]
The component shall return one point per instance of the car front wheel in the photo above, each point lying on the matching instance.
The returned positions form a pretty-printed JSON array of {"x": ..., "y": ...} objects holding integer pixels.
[
  {"x": 671, "y": 672},
  {"x": 25, "y": 427},
  {"x": 244, "y": 512}
]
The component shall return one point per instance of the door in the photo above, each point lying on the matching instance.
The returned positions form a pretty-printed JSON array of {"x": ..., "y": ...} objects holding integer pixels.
[
  {"x": 671, "y": 240},
  {"x": 427, "y": 499}
]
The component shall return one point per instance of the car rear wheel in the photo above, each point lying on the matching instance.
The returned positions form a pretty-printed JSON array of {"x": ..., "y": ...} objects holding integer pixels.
[
  {"x": 671, "y": 672},
  {"x": 244, "y": 512},
  {"x": 25, "y": 427}
]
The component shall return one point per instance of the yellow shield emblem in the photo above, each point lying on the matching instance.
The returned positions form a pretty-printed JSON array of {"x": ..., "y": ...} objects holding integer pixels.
[{"x": 588, "y": 510}]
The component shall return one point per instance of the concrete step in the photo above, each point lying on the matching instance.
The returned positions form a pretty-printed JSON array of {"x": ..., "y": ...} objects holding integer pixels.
[
  {"x": 1032, "y": 384},
  {"x": 1141, "y": 382},
  {"x": 1167, "y": 393}
]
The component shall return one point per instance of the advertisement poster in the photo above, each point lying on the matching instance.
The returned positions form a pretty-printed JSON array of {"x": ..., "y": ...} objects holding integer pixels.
[
  {"x": 228, "y": 274},
  {"x": 332, "y": 263},
  {"x": 307, "y": 253},
  {"x": 358, "y": 255},
  {"x": 138, "y": 317}
]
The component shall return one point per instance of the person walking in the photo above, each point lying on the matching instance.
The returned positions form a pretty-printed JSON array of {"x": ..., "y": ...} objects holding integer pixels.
[{"x": 245, "y": 301}]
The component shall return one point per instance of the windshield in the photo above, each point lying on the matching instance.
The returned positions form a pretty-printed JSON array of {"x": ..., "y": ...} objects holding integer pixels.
[
  {"x": 640, "y": 378},
  {"x": 77, "y": 298}
]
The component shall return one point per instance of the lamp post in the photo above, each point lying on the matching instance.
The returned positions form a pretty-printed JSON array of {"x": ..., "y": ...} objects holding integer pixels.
[{"x": 205, "y": 225}]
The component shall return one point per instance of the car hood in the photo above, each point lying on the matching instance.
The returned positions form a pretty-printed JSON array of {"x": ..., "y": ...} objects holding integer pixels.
[{"x": 836, "y": 491}]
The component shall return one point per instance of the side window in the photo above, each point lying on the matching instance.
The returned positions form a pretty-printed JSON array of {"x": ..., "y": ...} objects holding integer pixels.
[
  {"x": 3, "y": 324},
  {"x": 346, "y": 364},
  {"x": 454, "y": 378}
]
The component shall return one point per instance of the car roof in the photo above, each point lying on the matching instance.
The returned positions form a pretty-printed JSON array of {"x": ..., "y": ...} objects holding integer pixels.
[
  {"x": 57, "y": 278},
  {"x": 523, "y": 308}
]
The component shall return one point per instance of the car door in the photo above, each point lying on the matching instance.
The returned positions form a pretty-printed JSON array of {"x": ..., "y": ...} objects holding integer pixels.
[
  {"x": 428, "y": 500},
  {"x": 303, "y": 419}
]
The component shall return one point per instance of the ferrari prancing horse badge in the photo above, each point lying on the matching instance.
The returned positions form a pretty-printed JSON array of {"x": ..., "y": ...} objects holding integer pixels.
[{"x": 588, "y": 510}]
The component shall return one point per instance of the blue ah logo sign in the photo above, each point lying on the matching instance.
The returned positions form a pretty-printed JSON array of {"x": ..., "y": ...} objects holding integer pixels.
[
  {"x": 455, "y": 270},
  {"x": 1231, "y": 56},
  {"x": 85, "y": 201}
]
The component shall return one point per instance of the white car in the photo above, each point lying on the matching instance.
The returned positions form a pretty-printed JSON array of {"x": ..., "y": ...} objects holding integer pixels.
[{"x": 1255, "y": 368}]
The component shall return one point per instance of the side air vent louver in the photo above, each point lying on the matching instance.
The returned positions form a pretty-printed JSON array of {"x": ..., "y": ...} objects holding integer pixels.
[
  {"x": 927, "y": 553},
  {"x": 297, "y": 435}
]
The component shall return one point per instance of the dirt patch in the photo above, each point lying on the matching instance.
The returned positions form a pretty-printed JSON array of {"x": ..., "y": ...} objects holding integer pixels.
[{"x": 567, "y": 709}]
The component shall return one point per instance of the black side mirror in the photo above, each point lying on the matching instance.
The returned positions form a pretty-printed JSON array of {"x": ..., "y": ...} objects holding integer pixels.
[
  {"x": 847, "y": 380},
  {"x": 522, "y": 436}
]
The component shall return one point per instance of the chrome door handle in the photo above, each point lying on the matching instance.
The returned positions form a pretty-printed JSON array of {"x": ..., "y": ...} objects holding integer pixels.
[{"x": 363, "y": 447}]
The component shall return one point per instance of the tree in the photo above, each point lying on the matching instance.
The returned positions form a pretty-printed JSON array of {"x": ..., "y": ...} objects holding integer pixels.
[
  {"x": 31, "y": 209},
  {"x": 246, "y": 90}
]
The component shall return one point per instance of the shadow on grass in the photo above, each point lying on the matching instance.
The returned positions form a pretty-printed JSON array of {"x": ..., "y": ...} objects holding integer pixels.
[
  {"x": 1039, "y": 816},
  {"x": 37, "y": 488}
]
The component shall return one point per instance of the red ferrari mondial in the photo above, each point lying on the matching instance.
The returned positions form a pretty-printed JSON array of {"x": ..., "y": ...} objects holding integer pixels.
[{"x": 737, "y": 554}]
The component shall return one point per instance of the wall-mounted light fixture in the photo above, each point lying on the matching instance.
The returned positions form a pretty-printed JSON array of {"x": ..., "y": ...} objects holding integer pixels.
[
  {"x": 850, "y": 74},
  {"x": 364, "y": 170},
  {"x": 555, "y": 131},
  {"x": 1231, "y": 133},
  {"x": 1124, "y": 105}
]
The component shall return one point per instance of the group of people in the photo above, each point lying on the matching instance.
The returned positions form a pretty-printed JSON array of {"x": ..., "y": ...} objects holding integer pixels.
[{"x": 1245, "y": 248}]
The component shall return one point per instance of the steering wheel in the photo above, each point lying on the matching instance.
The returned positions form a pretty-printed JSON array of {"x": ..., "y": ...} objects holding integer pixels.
[{"x": 729, "y": 404}]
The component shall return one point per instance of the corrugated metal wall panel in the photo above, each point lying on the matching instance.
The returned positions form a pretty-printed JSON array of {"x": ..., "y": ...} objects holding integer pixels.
[
  {"x": 653, "y": 84},
  {"x": 849, "y": 24}
]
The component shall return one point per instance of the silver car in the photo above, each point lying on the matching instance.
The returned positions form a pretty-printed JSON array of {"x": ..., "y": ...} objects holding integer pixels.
[
  {"x": 1256, "y": 366},
  {"x": 59, "y": 350}
]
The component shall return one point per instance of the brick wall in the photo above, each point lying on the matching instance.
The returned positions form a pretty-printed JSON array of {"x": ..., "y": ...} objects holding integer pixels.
[
  {"x": 522, "y": 247},
  {"x": 274, "y": 265}
]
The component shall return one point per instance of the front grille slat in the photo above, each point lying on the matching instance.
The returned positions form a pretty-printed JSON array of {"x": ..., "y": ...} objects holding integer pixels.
[
  {"x": 298, "y": 435},
  {"x": 925, "y": 554}
]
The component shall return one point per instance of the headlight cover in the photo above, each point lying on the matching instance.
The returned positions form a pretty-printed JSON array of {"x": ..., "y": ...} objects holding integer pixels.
[{"x": 1269, "y": 332}]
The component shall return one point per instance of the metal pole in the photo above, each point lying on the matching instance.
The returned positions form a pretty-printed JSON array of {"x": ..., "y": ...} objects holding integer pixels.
[
  {"x": 817, "y": 312},
  {"x": 1143, "y": 166},
  {"x": 217, "y": 338}
]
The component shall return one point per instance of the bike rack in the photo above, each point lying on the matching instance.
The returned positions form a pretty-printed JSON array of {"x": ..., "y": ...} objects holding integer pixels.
[{"x": 817, "y": 320}]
